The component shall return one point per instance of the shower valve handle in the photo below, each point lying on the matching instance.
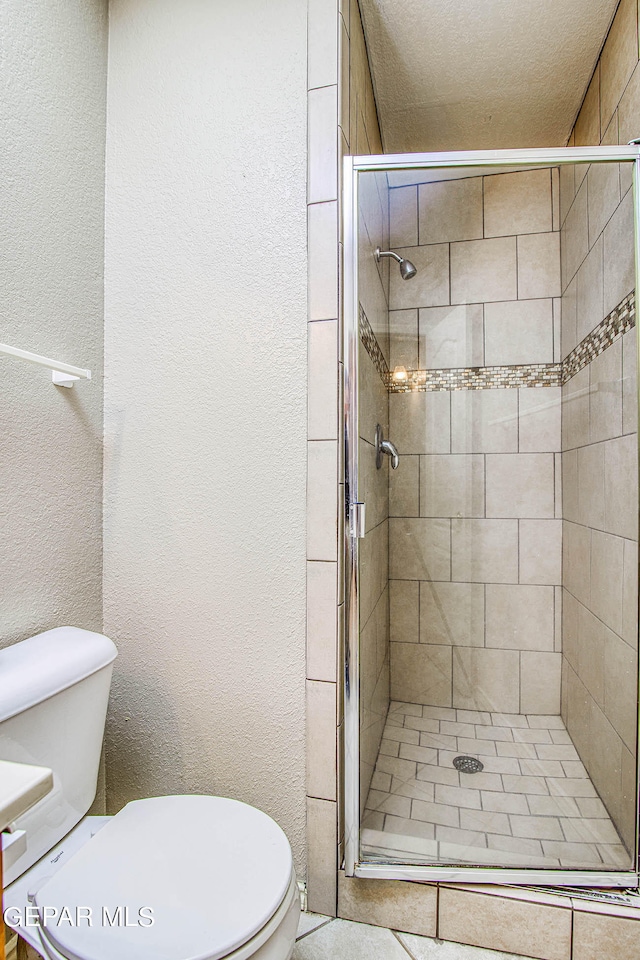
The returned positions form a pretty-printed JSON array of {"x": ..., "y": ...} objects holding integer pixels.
[{"x": 385, "y": 446}]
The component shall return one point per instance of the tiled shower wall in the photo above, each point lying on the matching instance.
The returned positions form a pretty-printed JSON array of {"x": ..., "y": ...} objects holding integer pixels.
[
  {"x": 475, "y": 529},
  {"x": 373, "y": 483},
  {"x": 600, "y": 563}
]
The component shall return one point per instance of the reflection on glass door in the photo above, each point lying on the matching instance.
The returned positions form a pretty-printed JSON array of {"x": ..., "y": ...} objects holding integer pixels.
[{"x": 497, "y": 574}]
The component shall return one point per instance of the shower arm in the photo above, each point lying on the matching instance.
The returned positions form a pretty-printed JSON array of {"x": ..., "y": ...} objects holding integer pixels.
[{"x": 387, "y": 253}]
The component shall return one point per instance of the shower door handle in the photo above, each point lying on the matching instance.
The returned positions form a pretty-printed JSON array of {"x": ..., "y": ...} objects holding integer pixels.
[{"x": 356, "y": 520}]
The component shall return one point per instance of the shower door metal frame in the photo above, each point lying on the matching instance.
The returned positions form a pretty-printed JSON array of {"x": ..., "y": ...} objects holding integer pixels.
[{"x": 353, "y": 166}]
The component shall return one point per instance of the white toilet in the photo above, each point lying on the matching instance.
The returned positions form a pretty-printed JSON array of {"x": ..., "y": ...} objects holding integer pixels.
[{"x": 168, "y": 878}]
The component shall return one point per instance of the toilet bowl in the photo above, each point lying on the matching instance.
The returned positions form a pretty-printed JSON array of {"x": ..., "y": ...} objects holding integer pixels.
[{"x": 167, "y": 878}]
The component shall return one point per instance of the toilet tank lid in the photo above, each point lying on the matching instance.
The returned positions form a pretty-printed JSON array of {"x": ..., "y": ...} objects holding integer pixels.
[{"x": 37, "y": 668}]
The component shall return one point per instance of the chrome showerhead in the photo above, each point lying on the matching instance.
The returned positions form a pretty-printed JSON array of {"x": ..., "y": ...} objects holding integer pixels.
[{"x": 407, "y": 269}]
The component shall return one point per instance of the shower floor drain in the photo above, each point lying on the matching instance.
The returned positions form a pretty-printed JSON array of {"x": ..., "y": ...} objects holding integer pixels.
[{"x": 468, "y": 764}]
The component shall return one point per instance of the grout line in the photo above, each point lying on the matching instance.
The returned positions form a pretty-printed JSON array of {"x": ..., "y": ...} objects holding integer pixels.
[
  {"x": 309, "y": 933},
  {"x": 404, "y": 947}
]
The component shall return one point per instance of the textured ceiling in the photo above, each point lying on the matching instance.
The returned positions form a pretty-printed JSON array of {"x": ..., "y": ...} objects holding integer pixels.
[{"x": 481, "y": 74}]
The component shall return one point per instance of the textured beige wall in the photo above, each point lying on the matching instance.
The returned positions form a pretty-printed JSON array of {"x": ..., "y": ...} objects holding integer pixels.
[
  {"x": 51, "y": 250},
  {"x": 205, "y": 413}
]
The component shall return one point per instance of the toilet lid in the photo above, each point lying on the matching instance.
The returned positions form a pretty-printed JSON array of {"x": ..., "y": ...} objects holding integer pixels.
[{"x": 213, "y": 871}]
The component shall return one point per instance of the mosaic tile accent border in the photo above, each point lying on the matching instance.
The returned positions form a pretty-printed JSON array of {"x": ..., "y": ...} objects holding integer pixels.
[
  {"x": 621, "y": 319},
  {"x": 479, "y": 378},
  {"x": 371, "y": 345}
]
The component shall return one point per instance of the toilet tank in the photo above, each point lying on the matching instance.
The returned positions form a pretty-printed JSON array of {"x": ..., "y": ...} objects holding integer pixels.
[{"x": 54, "y": 690}]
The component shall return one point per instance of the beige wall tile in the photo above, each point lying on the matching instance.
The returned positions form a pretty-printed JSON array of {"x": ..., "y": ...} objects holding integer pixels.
[
  {"x": 629, "y": 383},
  {"x": 603, "y": 191},
  {"x": 621, "y": 688},
  {"x": 619, "y": 277},
  {"x": 570, "y": 509},
  {"x": 567, "y": 189},
  {"x": 373, "y": 407},
  {"x": 540, "y": 551},
  {"x": 630, "y": 593},
  {"x": 403, "y": 338},
  {"x": 539, "y": 419},
  {"x": 404, "y": 487},
  {"x": 452, "y": 485},
  {"x": 403, "y": 216},
  {"x": 450, "y": 210},
  {"x": 606, "y": 578},
  {"x": 596, "y": 935},
  {"x": 591, "y": 649},
  {"x": 451, "y": 336},
  {"x": 557, "y": 329},
  {"x": 430, "y": 286},
  {"x": 555, "y": 198},
  {"x": 344, "y": 93},
  {"x": 618, "y": 59},
  {"x": 486, "y": 679},
  {"x": 322, "y": 850},
  {"x": 421, "y": 673},
  {"x": 484, "y": 270},
  {"x": 404, "y": 611},
  {"x": 621, "y": 486},
  {"x": 605, "y": 394},
  {"x": 519, "y": 617},
  {"x": 587, "y": 127},
  {"x": 575, "y": 410},
  {"x": 576, "y": 563},
  {"x": 484, "y": 551},
  {"x": 452, "y": 613},
  {"x": 484, "y": 421},
  {"x": 629, "y": 109},
  {"x": 321, "y": 621},
  {"x": 590, "y": 291},
  {"x": 568, "y": 334},
  {"x": 517, "y": 203},
  {"x": 540, "y": 682},
  {"x": 420, "y": 422},
  {"x": 322, "y": 382},
  {"x": 321, "y": 740},
  {"x": 419, "y": 549},
  {"x": 591, "y": 489},
  {"x": 538, "y": 265},
  {"x": 322, "y": 524},
  {"x": 626, "y": 818},
  {"x": 519, "y": 331},
  {"x": 520, "y": 485},
  {"x": 374, "y": 568},
  {"x": 322, "y": 43},
  {"x": 411, "y": 907},
  {"x": 575, "y": 240},
  {"x": 373, "y": 485},
  {"x": 323, "y": 260},
  {"x": 322, "y": 167}
]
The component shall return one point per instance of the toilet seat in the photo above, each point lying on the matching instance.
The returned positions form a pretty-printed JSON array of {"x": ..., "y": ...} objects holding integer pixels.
[{"x": 216, "y": 873}]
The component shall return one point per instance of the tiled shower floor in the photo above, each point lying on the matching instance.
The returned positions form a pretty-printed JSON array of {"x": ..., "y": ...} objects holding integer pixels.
[{"x": 533, "y": 804}]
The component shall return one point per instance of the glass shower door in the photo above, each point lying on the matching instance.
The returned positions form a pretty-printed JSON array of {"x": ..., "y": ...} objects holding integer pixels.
[{"x": 492, "y": 638}]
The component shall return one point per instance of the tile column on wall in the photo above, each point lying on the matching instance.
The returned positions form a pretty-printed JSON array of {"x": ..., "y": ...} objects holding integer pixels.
[
  {"x": 342, "y": 119},
  {"x": 323, "y": 439}
]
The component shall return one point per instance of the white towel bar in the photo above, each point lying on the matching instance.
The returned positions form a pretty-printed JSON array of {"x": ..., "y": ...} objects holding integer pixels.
[{"x": 62, "y": 374}]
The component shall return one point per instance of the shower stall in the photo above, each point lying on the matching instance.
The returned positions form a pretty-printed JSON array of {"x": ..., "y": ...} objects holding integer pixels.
[{"x": 491, "y": 673}]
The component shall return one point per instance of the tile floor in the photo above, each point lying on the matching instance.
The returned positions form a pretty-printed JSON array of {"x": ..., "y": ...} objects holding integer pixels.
[
  {"x": 533, "y": 804},
  {"x": 321, "y": 938}
]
